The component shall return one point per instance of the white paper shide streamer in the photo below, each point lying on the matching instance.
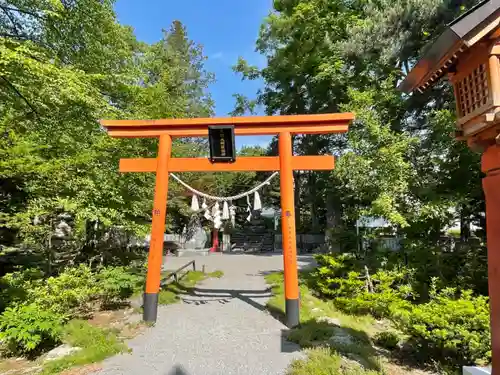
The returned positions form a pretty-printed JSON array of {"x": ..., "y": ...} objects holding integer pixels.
[
  {"x": 194, "y": 203},
  {"x": 217, "y": 216},
  {"x": 257, "y": 205},
  {"x": 232, "y": 213},
  {"x": 225, "y": 211}
]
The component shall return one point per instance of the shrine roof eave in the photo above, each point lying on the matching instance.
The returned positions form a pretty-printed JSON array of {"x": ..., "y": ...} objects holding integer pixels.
[{"x": 439, "y": 57}]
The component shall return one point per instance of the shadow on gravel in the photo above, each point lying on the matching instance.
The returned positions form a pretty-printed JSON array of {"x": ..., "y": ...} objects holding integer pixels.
[
  {"x": 177, "y": 370},
  {"x": 264, "y": 273},
  {"x": 286, "y": 345},
  {"x": 204, "y": 296},
  {"x": 304, "y": 260}
]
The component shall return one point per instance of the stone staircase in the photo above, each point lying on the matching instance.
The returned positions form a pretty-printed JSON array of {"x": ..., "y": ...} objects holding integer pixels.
[{"x": 253, "y": 237}]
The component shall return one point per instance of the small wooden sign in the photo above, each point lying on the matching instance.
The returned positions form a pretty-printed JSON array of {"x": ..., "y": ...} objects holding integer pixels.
[{"x": 222, "y": 145}]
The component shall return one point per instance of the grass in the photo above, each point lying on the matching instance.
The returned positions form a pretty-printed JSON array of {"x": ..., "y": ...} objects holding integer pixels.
[
  {"x": 325, "y": 361},
  {"x": 312, "y": 307},
  {"x": 96, "y": 344},
  {"x": 167, "y": 297},
  {"x": 216, "y": 274},
  {"x": 324, "y": 355},
  {"x": 311, "y": 334}
]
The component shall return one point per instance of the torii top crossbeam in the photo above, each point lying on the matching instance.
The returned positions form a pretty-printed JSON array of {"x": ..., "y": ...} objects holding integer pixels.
[{"x": 253, "y": 125}]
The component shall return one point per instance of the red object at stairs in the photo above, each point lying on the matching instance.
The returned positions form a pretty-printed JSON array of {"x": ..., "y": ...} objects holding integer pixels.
[{"x": 215, "y": 241}]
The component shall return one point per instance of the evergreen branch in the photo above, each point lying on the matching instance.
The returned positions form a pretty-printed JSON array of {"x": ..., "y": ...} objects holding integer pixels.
[
  {"x": 23, "y": 11},
  {"x": 6, "y": 9},
  {"x": 13, "y": 36},
  {"x": 11, "y": 19},
  {"x": 19, "y": 94}
]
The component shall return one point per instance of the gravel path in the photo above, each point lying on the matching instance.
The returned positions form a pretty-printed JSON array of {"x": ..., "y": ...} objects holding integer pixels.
[{"x": 223, "y": 329}]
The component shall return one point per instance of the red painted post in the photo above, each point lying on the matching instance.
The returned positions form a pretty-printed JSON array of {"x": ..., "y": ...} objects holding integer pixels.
[
  {"x": 490, "y": 165},
  {"x": 288, "y": 230},
  {"x": 215, "y": 240},
  {"x": 155, "y": 258}
]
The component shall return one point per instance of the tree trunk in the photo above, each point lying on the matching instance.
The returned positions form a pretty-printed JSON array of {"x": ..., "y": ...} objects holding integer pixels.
[
  {"x": 464, "y": 224},
  {"x": 49, "y": 256},
  {"x": 369, "y": 284},
  {"x": 332, "y": 220},
  {"x": 49, "y": 249},
  {"x": 312, "y": 197}
]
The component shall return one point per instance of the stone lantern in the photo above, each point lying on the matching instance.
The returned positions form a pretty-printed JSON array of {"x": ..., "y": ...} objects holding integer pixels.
[{"x": 468, "y": 53}]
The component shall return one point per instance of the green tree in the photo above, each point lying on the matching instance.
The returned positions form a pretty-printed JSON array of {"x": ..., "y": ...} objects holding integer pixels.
[
  {"x": 63, "y": 66},
  {"x": 319, "y": 61}
]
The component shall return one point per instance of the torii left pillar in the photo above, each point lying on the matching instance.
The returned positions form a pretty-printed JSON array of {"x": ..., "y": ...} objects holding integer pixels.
[{"x": 155, "y": 258}]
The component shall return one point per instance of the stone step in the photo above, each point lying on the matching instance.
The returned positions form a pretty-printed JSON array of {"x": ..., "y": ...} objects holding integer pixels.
[{"x": 191, "y": 252}]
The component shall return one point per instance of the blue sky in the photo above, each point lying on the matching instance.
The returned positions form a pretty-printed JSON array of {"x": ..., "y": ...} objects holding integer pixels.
[{"x": 226, "y": 29}]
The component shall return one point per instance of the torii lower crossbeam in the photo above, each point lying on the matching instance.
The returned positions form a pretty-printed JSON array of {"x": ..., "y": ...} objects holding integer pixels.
[
  {"x": 242, "y": 164},
  {"x": 286, "y": 163}
]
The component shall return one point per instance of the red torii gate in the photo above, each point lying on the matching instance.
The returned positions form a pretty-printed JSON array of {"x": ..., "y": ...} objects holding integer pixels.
[{"x": 283, "y": 126}]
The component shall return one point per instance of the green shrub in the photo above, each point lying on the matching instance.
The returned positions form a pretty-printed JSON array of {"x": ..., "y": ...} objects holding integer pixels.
[
  {"x": 74, "y": 291},
  {"x": 28, "y": 329},
  {"x": 453, "y": 329},
  {"x": 69, "y": 293},
  {"x": 96, "y": 344},
  {"x": 337, "y": 277},
  {"x": 386, "y": 297},
  {"x": 117, "y": 283},
  {"x": 378, "y": 304},
  {"x": 465, "y": 267},
  {"x": 387, "y": 339},
  {"x": 14, "y": 286},
  {"x": 449, "y": 327}
]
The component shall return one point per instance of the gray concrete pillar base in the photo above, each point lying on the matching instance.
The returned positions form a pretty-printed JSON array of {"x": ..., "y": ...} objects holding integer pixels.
[
  {"x": 150, "y": 306},
  {"x": 292, "y": 312}
]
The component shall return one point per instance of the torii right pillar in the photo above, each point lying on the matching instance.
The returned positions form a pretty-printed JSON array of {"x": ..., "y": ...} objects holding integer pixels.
[{"x": 288, "y": 230}]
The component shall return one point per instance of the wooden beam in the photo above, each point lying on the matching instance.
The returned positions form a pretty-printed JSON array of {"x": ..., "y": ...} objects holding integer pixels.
[
  {"x": 313, "y": 163},
  {"x": 253, "y": 125},
  {"x": 202, "y": 131},
  {"x": 326, "y": 118},
  {"x": 242, "y": 164}
]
